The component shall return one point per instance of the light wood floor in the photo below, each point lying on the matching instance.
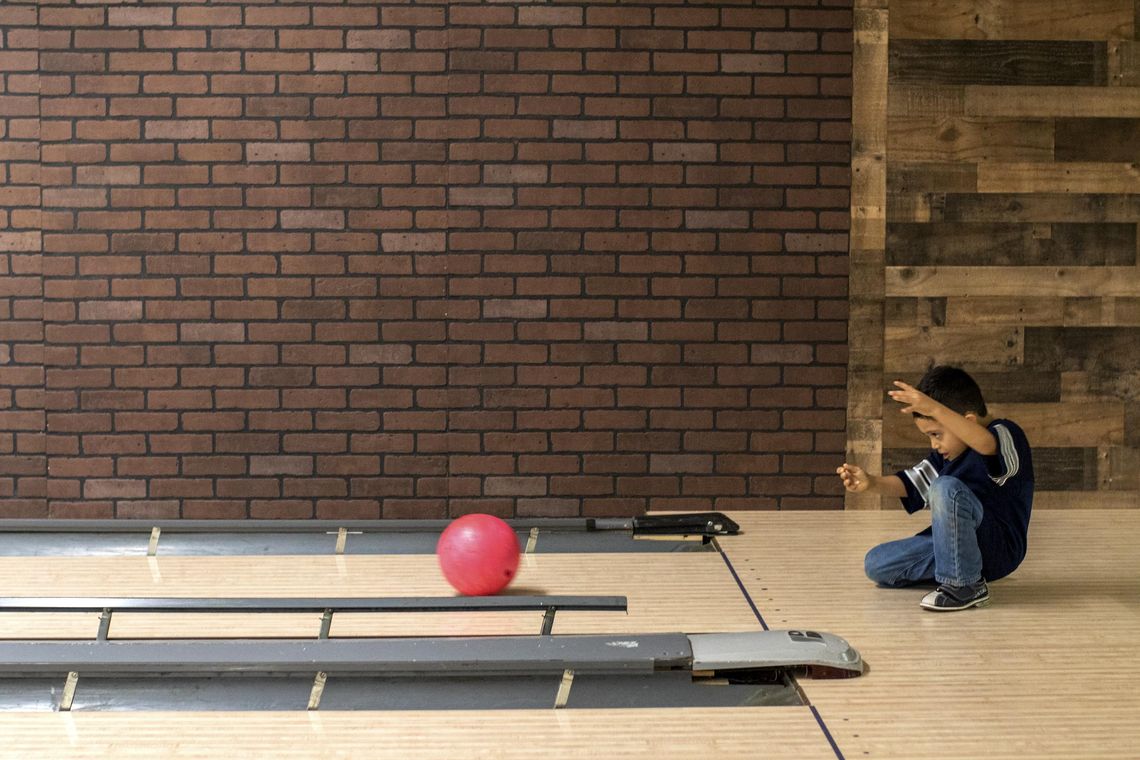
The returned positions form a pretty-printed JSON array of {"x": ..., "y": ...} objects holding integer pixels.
[
  {"x": 1047, "y": 671},
  {"x": 783, "y": 733}
]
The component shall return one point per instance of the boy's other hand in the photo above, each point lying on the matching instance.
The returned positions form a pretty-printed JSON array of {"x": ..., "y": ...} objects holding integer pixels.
[
  {"x": 913, "y": 400},
  {"x": 854, "y": 478}
]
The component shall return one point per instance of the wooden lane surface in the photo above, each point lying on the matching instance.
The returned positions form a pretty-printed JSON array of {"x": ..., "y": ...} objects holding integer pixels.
[
  {"x": 682, "y": 734},
  {"x": 690, "y": 592},
  {"x": 680, "y": 591},
  {"x": 1047, "y": 671}
]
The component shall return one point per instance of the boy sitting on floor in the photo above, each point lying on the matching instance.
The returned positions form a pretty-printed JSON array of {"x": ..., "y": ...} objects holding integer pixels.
[{"x": 978, "y": 484}]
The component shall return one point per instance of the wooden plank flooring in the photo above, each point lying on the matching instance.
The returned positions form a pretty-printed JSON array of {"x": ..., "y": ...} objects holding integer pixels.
[
  {"x": 789, "y": 733},
  {"x": 667, "y": 592},
  {"x": 1047, "y": 671}
]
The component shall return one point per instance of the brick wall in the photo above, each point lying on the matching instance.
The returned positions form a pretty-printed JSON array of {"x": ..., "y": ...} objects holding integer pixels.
[{"x": 392, "y": 259}]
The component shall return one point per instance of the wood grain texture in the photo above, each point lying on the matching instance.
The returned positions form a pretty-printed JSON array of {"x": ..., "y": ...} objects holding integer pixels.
[
  {"x": 783, "y": 732},
  {"x": 940, "y": 177},
  {"x": 1102, "y": 140},
  {"x": 1012, "y": 209},
  {"x": 1124, "y": 63},
  {"x": 987, "y": 20},
  {"x": 1010, "y": 244},
  {"x": 1055, "y": 681},
  {"x": 1024, "y": 673},
  {"x": 1057, "y": 102},
  {"x": 970, "y": 140},
  {"x": 1028, "y": 311},
  {"x": 971, "y": 62},
  {"x": 1038, "y": 207},
  {"x": 868, "y": 234},
  {"x": 912, "y": 350},
  {"x": 931, "y": 100},
  {"x": 1073, "y": 177},
  {"x": 1013, "y": 282},
  {"x": 1078, "y": 424}
]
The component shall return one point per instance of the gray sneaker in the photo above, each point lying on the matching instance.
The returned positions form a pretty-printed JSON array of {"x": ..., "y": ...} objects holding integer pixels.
[{"x": 953, "y": 598}]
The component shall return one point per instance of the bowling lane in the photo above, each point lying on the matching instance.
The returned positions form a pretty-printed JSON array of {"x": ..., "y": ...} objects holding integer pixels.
[
  {"x": 691, "y": 592},
  {"x": 789, "y": 733}
]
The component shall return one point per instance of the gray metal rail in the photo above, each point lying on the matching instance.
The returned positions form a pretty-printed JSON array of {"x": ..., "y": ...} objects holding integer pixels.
[
  {"x": 548, "y": 605},
  {"x": 489, "y": 655}
]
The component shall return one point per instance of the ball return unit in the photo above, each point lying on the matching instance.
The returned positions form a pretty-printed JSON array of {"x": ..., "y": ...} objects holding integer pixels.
[{"x": 549, "y": 664}]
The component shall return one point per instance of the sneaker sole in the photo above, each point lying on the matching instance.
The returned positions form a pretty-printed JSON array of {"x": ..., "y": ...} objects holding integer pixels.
[{"x": 976, "y": 603}]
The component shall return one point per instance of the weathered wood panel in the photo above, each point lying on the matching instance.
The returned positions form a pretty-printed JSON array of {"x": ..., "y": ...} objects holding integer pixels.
[
  {"x": 1057, "y": 102},
  {"x": 1011, "y": 241},
  {"x": 1074, "y": 177},
  {"x": 905, "y": 177},
  {"x": 1033, "y": 20},
  {"x": 1104, "y": 350},
  {"x": 1013, "y": 281},
  {"x": 1079, "y": 424},
  {"x": 1010, "y": 244},
  {"x": 1039, "y": 311},
  {"x": 913, "y": 349},
  {"x": 1124, "y": 61},
  {"x": 998, "y": 63},
  {"x": 1004, "y": 311},
  {"x": 925, "y": 100},
  {"x": 969, "y": 139},
  {"x": 1098, "y": 140},
  {"x": 1102, "y": 312},
  {"x": 868, "y": 238},
  {"x": 1037, "y": 207},
  {"x": 1100, "y": 500},
  {"x": 1119, "y": 469}
]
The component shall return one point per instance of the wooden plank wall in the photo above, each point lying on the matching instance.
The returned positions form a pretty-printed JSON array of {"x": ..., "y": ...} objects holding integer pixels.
[{"x": 995, "y": 211}]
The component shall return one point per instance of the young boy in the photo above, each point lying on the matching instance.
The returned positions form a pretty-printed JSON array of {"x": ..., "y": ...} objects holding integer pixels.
[{"x": 978, "y": 484}]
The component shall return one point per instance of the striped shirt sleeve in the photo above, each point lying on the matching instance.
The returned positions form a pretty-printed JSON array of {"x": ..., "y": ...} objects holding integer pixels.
[
  {"x": 917, "y": 481},
  {"x": 1006, "y": 463},
  {"x": 921, "y": 476}
]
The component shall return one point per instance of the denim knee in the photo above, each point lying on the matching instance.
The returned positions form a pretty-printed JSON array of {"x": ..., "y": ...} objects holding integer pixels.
[
  {"x": 873, "y": 567},
  {"x": 941, "y": 489}
]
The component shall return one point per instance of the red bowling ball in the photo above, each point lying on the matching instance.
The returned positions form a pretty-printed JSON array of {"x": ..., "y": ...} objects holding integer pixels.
[{"x": 479, "y": 554}]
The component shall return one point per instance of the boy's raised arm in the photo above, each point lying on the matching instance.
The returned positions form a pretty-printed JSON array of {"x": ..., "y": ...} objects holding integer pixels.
[{"x": 976, "y": 436}]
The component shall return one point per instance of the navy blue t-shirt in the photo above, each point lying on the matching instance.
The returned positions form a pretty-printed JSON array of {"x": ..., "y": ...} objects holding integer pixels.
[{"x": 1003, "y": 484}]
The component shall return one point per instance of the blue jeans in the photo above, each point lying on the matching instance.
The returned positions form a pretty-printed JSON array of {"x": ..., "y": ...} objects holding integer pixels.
[{"x": 949, "y": 555}]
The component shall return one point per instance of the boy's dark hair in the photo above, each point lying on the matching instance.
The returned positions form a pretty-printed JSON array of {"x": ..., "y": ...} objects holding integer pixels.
[{"x": 953, "y": 387}]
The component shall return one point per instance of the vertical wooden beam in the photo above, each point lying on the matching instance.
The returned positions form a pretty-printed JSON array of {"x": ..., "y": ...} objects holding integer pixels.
[{"x": 868, "y": 243}]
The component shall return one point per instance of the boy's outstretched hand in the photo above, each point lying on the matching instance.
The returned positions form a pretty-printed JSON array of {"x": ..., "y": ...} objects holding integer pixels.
[
  {"x": 854, "y": 478},
  {"x": 913, "y": 400}
]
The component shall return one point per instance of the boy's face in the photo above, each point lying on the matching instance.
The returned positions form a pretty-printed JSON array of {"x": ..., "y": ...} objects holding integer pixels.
[{"x": 941, "y": 440}]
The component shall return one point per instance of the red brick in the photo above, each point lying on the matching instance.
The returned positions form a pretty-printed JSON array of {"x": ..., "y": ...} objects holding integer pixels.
[
  {"x": 242, "y": 39},
  {"x": 539, "y": 16},
  {"x": 155, "y": 39},
  {"x": 439, "y": 232}
]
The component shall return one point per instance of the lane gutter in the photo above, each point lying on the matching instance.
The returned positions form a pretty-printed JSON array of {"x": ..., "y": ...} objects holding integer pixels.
[{"x": 756, "y": 611}]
